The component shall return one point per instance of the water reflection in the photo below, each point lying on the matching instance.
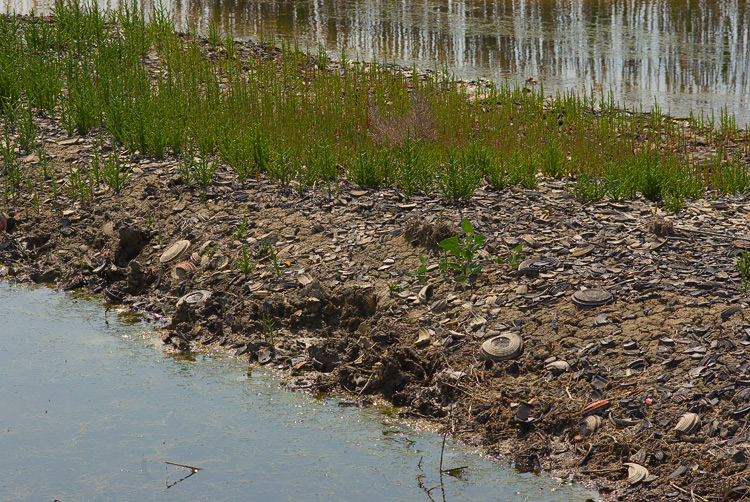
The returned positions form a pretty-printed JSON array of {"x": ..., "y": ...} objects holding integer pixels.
[{"x": 685, "y": 54}]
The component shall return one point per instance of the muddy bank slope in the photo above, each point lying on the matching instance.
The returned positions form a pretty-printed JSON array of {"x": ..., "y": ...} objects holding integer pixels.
[{"x": 646, "y": 371}]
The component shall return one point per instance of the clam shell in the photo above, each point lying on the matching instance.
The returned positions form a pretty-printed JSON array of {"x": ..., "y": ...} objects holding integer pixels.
[
  {"x": 622, "y": 422},
  {"x": 558, "y": 367},
  {"x": 636, "y": 473},
  {"x": 533, "y": 266},
  {"x": 502, "y": 347},
  {"x": 194, "y": 298},
  {"x": 174, "y": 251},
  {"x": 589, "y": 425},
  {"x": 591, "y": 297},
  {"x": 182, "y": 270},
  {"x": 220, "y": 262},
  {"x": 195, "y": 257},
  {"x": 688, "y": 423}
]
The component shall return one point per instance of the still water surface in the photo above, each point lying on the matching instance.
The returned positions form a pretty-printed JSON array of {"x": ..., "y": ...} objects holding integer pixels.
[
  {"x": 683, "y": 54},
  {"x": 92, "y": 411}
]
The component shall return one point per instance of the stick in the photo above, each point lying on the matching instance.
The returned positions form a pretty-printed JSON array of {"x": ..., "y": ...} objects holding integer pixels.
[
  {"x": 689, "y": 492},
  {"x": 183, "y": 465}
]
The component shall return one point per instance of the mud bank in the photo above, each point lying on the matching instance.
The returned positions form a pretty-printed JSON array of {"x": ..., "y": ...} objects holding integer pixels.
[{"x": 655, "y": 378}]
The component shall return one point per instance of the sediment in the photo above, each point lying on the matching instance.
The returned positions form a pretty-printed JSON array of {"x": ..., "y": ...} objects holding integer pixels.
[{"x": 334, "y": 295}]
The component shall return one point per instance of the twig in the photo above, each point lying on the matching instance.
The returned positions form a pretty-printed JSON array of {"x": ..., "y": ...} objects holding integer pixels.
[
  {"x": 594, "y": 471},
  {"x": 185, "y": 466},
  {"x": 691, "y": 493},
  {"x": 365, "y": 385}
]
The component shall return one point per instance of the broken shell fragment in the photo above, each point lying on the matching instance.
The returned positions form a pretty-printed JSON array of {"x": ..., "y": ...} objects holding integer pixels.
[
  {"x": 589, "y": 425},
  {"x": 425, "y": 293},
  {"x": 636, "y": 473},
  {"x": 688, "y": 423},
  {"x": 622, "y": 422},
  {"x": 174, "y": 251},
  {"x": 502, "y": 347},
  {"x": 557, "y": 367},
  {"x": 424, "y": 338},
  {"x": 596, "y": 408}
]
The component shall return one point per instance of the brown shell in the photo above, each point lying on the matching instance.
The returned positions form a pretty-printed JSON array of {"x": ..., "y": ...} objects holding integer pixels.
[
  {"x": 688, "y": 423},
  {"x": 502, "y": 347},
  {"x": 636, "y": 473}
]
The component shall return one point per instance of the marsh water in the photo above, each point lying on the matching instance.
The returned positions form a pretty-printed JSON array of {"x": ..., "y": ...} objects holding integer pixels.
[
  {"x": 685, "y": 55},
  {"x": 93, "y": 409}
]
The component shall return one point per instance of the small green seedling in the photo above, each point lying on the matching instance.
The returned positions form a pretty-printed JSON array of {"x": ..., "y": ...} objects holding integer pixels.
[
  {"x": 245, "y": 263},
  {"x": 421, "y": 272},
  {"x": 241, "y": 232},
  {"x": 461, "y": 253},
  {"x": 743, "y": 264},
  {"x": 268, "y": 324}
]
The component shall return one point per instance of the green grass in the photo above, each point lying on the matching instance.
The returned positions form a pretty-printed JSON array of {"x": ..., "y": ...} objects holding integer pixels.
[{"x": 298, "y": 123}]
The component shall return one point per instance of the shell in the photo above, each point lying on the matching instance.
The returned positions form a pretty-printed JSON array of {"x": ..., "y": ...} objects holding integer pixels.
[
  {"x": 589, "y": 425},
  {"x": 220, "y": 262},
  {"x": 174, "y": 251},
  {"x": 688, "y": 423},
  {"x": 558, "y": 367},
  {"x": 182, "y": 270},
  {"x": 622, "y": 422},
  {"x": 194, "y": 298},
  {"x": 424, "y": 338},
  {"x": 591, "y": 297},
  {"x": 502, "y": 347},
  {"x": 636, "y": 473},
  {"x": 533, "y": 266},
  {"x": 426, "y": 293},
  {"x": 596, "y": 408}
]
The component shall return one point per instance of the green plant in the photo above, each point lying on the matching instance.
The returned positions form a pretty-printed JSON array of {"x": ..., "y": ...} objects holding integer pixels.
[
  {"x": 589, "y": 188},
  {"x": 245, "y": 263},
  {"x": 553, "y": 158},
  {"x": 393, "y": 286},
  {"x": 27, "y": 130},
  {"x": 268, "y": 324},
  {"x": 421, "y": 272},
  {"x": 114, "y": 174},
  {"x": 743, "y": 265},
  {"x": 460, "y": 177},
  {"x": 461, "y": 253},
  {"x": 412, "y": 170},
  {"x": 213, "y": 35},
  {"x": 283, "y": 166},
  {"x": 82, "y": 184},
  {"x": 186, "y": 169},
  {"x": 241, "y": 233},
  {"x": 275, "y": 266},
  {"x": 515, "y": 255},
  {"x": 204, "y": 170}
]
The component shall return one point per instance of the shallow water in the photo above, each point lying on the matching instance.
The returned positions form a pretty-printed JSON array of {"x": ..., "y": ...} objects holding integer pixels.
[
  {"x": 683, "y": 54},
  {"x": 93, "y": 408}
]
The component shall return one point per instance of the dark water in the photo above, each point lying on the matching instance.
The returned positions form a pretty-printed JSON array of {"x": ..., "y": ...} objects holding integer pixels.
[
  {"x": 92, "y": 411},
  {"x": 683, "y": 54}
]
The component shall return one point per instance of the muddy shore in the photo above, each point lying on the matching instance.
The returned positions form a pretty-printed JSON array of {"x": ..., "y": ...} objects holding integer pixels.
[{"x": 647, "y": 372}]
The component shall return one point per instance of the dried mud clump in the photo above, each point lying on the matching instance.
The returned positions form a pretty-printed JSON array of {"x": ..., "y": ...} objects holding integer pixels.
[
  {"x": 661, "y": 227},
  {"x": 429, "y": 235}
]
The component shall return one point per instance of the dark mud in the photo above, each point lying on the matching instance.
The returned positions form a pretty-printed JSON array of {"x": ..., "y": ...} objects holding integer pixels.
[{"x": 332, "y": 295}]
